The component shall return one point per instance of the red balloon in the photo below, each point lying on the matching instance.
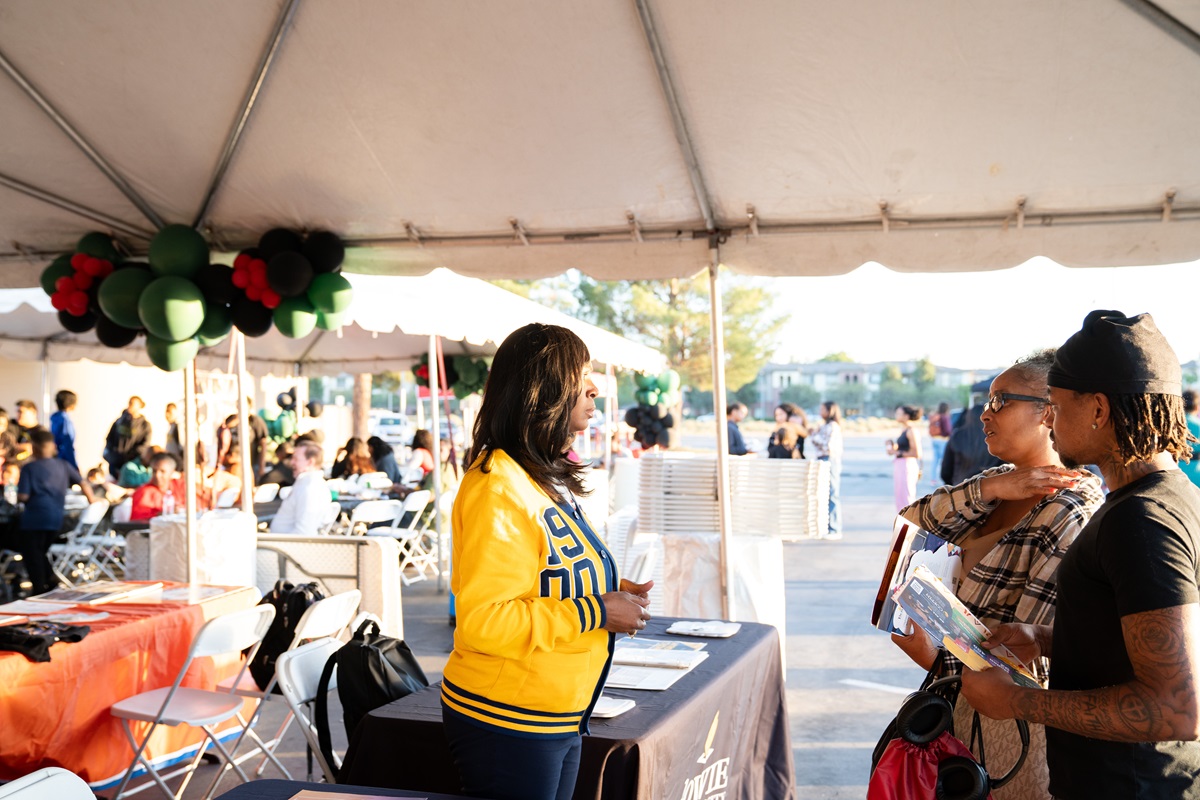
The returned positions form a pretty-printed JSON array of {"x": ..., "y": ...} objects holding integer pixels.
[
  {"x": 77, "y": 304},
  {"x": 241, "y": 278},
  {"x": 255, "y": 293},
  {"x": 83, "y": 280},
  {"x": 270, "y": 298},
  {"x": 64, "y": 284},
  {"x": 259, "y": 279},
  {"x": 258, "y": 266},
  {"x": 241, "y": 261},
  {"x": 94, "y": 267},
  {"x": 78, "y": 260},
  {"x": 107, "y": 269},
  {"x": 59, "y": 301}
]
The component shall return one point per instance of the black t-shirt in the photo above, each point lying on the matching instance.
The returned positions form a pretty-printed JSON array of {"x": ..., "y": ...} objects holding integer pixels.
[{"x": 1140, "y": 552}]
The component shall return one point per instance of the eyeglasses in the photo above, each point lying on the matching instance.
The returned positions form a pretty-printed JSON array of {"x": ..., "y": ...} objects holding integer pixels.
[{"x": 1001, "y": 399}]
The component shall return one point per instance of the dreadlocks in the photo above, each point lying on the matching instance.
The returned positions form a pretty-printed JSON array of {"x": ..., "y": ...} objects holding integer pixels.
[{"x": 1148, "y": 424}]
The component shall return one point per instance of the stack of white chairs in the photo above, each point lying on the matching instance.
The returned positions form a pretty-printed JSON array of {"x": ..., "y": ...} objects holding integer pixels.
[{"x": 86, "y": 556}]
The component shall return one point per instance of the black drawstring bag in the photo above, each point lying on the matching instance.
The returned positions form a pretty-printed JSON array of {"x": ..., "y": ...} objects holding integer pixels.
[{"x": 33, "y": 639}]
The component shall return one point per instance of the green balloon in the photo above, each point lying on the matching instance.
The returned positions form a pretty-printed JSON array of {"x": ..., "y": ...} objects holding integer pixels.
[
  {"x": 668, "y": 381},
  {"x": 98, "y": 245},
  {"x": 644, "y": 381},
  {"x": 178, "y": 250},
  {"x": 170, "y": 356},
  {"x": 218, "y": 321},
  {"x": 119, "y": 294},
  {"x": 171, "y": 308},
  {"x": 204, "y": 341},
  {"x": 58, "y": 268},
  {"x": 295, "y": 317},
  {"x": 330, "y": 292},
  {"x": 330, "y": 322}
]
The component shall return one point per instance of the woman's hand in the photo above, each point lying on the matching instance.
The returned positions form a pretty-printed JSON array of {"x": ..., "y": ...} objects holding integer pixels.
[
  {"x": 1019, "y": 484},
  {"x": 626, "y": 611},
  {"x": 917, "y": 645},
  {"x": 890, "y": 447}
]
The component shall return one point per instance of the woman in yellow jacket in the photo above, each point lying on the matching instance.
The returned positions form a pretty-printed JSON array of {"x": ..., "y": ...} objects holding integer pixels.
[{"x": 537, "y": 593}]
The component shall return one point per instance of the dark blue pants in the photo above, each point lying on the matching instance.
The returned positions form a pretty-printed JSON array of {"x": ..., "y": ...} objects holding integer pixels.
[{"x": 503, "y": 767}]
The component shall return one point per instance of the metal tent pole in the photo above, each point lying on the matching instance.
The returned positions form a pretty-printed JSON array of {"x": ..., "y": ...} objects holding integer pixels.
[
  {"x": 434, "y": 390},
  {"x": 717, "y": 324},
  {"x": 243, "y": 413},
  {"x": 189, "y": 473}
]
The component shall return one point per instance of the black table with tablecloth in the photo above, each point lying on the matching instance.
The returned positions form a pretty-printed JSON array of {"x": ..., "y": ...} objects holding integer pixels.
[
  {"x": 723, "y": 727},
  {"x": 282, "y": 790}
]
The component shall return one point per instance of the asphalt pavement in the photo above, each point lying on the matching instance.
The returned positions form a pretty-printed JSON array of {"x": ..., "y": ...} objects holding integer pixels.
[{"x": 845, "y": 680}]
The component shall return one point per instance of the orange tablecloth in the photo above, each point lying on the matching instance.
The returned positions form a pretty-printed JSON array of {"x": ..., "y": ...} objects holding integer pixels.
[{"x": 56, "y": 714}]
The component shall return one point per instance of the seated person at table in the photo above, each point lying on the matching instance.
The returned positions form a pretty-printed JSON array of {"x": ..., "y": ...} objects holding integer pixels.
[
  {"x": 227, "y": 476},
  {"x": 353, "y": 459},
  {"x": 422, "y": 454},
  {"x": 165, "y": 487},
  {"x": 384, "y": 458},
  {"x": 136, "y": 472},
  {"x": 44, "y": 483},
  {"x": 281, "y": 471},
  {"x": 102, "y": 487},
  {"x": 303, "y": 511}
]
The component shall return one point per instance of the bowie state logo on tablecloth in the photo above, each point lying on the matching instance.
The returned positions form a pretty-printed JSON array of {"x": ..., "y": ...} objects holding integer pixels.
[{"x": 715, "y": 777}]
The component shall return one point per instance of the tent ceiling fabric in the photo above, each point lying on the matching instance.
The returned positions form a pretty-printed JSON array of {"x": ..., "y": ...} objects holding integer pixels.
[
  {"x": 393, "y": 318},
  {"x": 906, "y": 134}
]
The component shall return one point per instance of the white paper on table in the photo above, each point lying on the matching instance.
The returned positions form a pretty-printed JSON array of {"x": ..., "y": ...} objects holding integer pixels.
[
  {"x": 34, "y": 608},
  {"x": 713, "y": 628},
  {"x": 647, "y": 643},
  {"x": 609, "y": 707},
  {"x": 655, "y": 679},
  {"x": 667, "y": 659}
]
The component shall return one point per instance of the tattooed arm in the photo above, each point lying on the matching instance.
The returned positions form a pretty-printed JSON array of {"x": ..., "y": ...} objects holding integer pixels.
[{"x": 1159, "y": 704}]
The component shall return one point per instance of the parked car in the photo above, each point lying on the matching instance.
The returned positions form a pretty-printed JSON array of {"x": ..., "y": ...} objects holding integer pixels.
[{"x": 395, "y": 429}]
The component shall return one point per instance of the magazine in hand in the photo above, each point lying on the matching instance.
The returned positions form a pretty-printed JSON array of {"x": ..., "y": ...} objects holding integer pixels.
[
  {"x": 911, "y": 547},
  {"x": 934, "y": 609}
]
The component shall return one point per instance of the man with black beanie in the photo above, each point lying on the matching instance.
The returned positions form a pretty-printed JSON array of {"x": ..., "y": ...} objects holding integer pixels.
[{"x": 1122, "y": 713}]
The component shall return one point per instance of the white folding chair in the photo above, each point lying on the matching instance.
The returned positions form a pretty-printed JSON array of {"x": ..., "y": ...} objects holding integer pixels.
[
  {"x": 266, "y": 493},
  {"x": 373, "y": 512},
  {"x": 51, "y": 783},
  {"x": 323, "y": 619},
  {"x": 299, "y": 674},
  {"x": 227, "y": 498},
  {"x": 407, "y": 530},
  {"x": 330, "y": 524},
  {"x": 175, "y": 705},
  {"x": 412, "y": 476},
  {"x": 74, "y": 559},
  {"x": 123, "y": 511},
  {"x": 284, "y": 491}
]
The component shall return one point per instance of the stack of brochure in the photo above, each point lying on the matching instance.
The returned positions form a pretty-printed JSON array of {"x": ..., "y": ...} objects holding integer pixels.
[
  {"x": 652, "y": 664},
  {"x": 101, "y": 592}
]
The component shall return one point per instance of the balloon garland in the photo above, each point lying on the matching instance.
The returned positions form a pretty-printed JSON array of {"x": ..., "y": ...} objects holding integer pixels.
[
  {"x": 651, "y": 419},
  {"x": 464, "y": 375},
  {"x": 182, "y": 302}
]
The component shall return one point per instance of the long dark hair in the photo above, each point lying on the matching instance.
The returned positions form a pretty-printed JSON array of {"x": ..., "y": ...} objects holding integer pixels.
[{"x": 535, "y": 381}]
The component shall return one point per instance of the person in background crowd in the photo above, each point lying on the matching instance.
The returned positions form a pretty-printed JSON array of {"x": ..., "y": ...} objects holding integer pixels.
[
  {"x": 422, "y": 454},
  {"x": 227, "y": 477},
  {"x": 43, "y": 486},
  {"x": 127, "y": 437},
  {"x": 827, "y": 444},
  {"x": 940, "y": 428},
  {"x": 787, "y": 440},
  {"x": 173, "y": 444},
  {"x": 63, "y": 428},
  {"x": 1013, "y": 523},
  {"x": 104, "y": 488},
  {"x": 532, "y": 643},
  {"x": 27, "y": 424},
  {"x": 735, "y": 413},
  {"x": 163, "y": 493},
  {"x": 1121, "y": 714},
  {"x": 281, "y": 471},
  {"x": 353, "y": 459},
  {"x": 8, "y": 440},
  {"x": 906, "y": 450},
  {"x": 384, "y": 459},
  {"x": 798, "y": 418},
  {"x": 1192, "y": 468},
  {"x": 260, "y": 437},
  {"x": 302, "y": 512},
  {"x": 966, "y": 452},
  {"x": 137, "y": 472}
]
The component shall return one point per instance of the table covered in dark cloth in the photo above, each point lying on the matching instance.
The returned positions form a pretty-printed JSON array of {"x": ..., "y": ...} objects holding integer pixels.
[
  {"x": 282, "y": 790},
  {"x": 720, "y": 731}
]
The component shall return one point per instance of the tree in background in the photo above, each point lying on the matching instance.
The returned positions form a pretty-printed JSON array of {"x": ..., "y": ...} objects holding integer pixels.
[
  {"x": 850, "y": 397},
  {"x": 839, "y": 357},
  {"x": 803, "y": 395}
]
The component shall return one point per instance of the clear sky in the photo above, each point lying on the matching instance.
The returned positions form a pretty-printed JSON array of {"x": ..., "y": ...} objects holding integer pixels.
[{"x": 978, "y": 319}]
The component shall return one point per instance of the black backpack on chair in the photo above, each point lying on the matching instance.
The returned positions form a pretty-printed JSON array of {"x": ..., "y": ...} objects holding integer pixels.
[
  {"x": 373, "y": 670},
  {"x": 290, "y": 604}
]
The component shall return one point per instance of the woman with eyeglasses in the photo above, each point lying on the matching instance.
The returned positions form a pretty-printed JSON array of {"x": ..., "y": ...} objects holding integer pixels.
[
  {"x": 906, "y": 450},
  {"x": 1013, "y": 523}
]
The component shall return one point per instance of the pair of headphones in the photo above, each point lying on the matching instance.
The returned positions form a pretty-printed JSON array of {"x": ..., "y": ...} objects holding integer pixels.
[{"x": 926, "y": 715}]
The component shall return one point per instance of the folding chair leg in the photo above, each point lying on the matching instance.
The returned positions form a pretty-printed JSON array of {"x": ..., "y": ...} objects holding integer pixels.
[
  {"x": 138, "y": 749},
  {"x": 270, "y": 745},
  {"x": 227, "y": 762}
]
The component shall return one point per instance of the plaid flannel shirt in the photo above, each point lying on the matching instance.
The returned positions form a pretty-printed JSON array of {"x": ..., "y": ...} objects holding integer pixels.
[{"x": 1015, "y": 581}]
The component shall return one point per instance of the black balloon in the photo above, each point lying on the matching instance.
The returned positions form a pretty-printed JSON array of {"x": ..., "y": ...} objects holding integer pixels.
[
  {"x": 315, "y": 408},
  {"x": 286, "y": 401},
  {"x": 279, "y": 240},
  {"x": 76, "y": 324},
  {"x": 251, "y": 318},
  {"x": 111, "y": 334},
  {"x": 289, "y": 274},
  {"x": 133, "y": 265},
  {"x": 325, "y": 251},
  {"x": 631, "y": 416},
  {"x": 668, "y": 421},
  {"x": 216, "y": 282}
]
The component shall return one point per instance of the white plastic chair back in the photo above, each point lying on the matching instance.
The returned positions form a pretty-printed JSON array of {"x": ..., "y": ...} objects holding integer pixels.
[
  {"x": 371, "y": 511},
  {"x": 329, "y": 521},
  {"x": 123, "y": 510},
  {"x": 266, "y": 493},
  {"x": 415, "y": 502},
  {"x": 91, "y": 517},
  {"x": 298, "y": 672},
  {"x": 351, "y": 480},
  {"x": 284, "y": 491},
  {"x": 232, "y": 632},
  {"x": 51, "y": 783},
  {"x": 328, "y": 617},
  {"x": 412, "y": 476},
  {"x": 227, "y": 498}
]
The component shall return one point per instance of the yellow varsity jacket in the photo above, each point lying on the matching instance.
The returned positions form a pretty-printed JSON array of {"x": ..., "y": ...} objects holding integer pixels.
[{"x": 530, "y": 654}]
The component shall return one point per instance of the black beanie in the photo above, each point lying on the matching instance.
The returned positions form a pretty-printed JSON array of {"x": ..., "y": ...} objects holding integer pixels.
[{"x": 1116, "y": 354}]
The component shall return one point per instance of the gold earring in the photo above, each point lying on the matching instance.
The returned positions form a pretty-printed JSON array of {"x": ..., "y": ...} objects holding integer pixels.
[{"x": 1093, "y": 426}]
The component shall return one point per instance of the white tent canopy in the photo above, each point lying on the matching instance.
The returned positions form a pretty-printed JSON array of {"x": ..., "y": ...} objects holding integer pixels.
[
  {"x": 526, "y": 139},
  {"x": 388, "y": 329}
]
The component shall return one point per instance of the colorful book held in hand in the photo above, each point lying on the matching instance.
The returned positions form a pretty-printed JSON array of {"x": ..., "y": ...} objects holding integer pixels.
[{"x": 912, "y": 547}]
